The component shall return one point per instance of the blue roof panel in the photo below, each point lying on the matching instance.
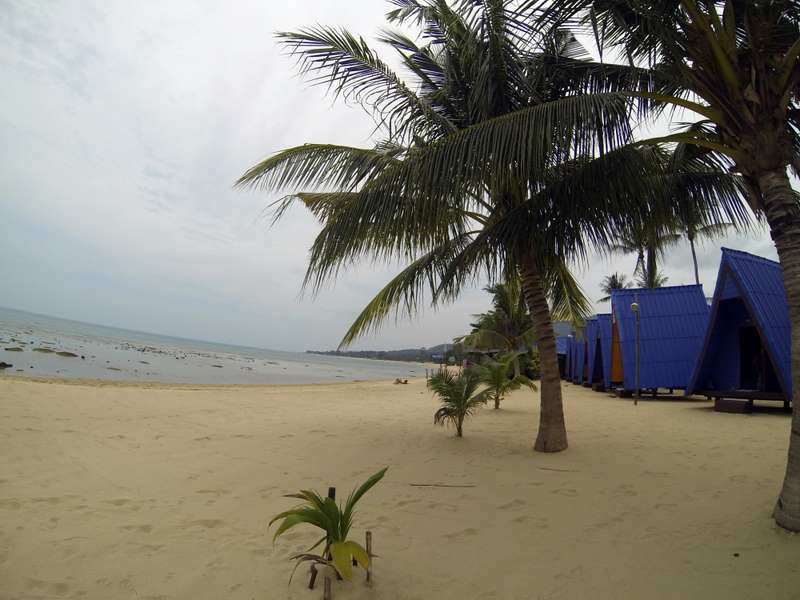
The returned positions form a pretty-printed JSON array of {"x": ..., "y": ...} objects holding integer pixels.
[{"x": 673, "y": 322}]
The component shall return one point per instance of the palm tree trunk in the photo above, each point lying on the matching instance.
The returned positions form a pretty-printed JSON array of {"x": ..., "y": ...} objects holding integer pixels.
[
  {"x": 783, "y": 215},
  {"x": 497, "y": 402},
  {"x": 640, "y": 264},
  {"x": 517, "y": 371},
  {"x": 694, "y": 260},
  {"x": 651, "y": 267},
  {"x": 459, "y": 425},
  {"x": 552, "y": 436}
]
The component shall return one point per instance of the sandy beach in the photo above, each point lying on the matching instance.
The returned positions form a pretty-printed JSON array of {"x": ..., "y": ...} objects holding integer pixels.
[{"x": 162, "y": 492}]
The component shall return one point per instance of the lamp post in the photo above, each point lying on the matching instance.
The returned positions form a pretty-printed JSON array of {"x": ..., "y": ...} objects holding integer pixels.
[{"x": 635, "y": 309}]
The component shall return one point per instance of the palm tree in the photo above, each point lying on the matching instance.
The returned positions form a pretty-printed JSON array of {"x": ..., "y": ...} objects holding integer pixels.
[
  {"x": 651, "y": 277},
  {"x": 693, "y": 223},
  {"x": 459, "y": 395},
  {"x": 615, "y": 281},
  {"x": 508, "y": 325},
  {"x": 649, "y": 240},
  {"x": 495, "y": 375},
  {"x": 711, "y": 231},
  {"x": 496, "y": 164},
  {"x": 735, "y": 65}
]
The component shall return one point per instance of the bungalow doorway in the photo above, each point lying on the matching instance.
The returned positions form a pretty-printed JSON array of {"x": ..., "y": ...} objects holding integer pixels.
[{"x": 755, "y": 367}]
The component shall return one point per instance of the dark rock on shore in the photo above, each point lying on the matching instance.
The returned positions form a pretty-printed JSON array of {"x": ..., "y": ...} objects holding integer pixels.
[
  {"x": 67, "y": 354},
  {"x": 14, "y": 349},
  {"x": 5, "y": 365}
]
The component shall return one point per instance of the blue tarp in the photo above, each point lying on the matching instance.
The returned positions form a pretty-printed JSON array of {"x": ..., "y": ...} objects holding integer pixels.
[
  {"x": 580, "y": 356},
  {"x": 573, "y": 353},
  {"x": 749, "y": 290},
  {"x": 590, "y": 334},
  {"x": 672, "y": 325},
  {"x": 561, "y": 344},
  {"x": 568, "y": 357}
]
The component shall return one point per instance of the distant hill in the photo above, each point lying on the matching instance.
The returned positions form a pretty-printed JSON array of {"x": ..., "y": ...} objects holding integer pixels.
[{"x": 431, "y": 354}]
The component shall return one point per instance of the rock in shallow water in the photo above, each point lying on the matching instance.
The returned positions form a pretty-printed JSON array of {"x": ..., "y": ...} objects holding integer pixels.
[{"x": 5, "y": 365}]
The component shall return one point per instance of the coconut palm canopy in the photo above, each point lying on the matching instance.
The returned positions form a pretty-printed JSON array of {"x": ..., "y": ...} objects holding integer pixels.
[
  {"x": 615, "y": 281},
  {"x": 735, "y": 65},
  {"x": 493, "y": 161}
]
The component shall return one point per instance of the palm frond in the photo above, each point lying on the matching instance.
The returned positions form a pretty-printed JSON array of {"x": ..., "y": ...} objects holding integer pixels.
[
  {"x": 404, "y": 293},
  {"x": 349, "y": 67},
  {"x": 329, "y": 166},
  {"x": 567, "y": 298}
]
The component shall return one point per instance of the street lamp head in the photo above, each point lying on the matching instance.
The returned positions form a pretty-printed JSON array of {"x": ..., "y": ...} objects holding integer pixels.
[{"x": 635, "y": 307}]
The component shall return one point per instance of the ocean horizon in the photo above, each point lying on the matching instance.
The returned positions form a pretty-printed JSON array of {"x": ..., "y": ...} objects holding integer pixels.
[{"x": 38, "y": 345}]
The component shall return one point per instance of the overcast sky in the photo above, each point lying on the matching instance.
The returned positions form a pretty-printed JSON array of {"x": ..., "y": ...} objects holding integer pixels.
[{"x": 122, "y": 128}]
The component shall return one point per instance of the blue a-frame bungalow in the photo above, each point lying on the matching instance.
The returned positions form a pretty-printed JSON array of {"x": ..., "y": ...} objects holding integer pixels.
[
  {"x": 746, "y": 352},
  {"x": 672, "y": 323},
  {"x": 599, "y": 359}
]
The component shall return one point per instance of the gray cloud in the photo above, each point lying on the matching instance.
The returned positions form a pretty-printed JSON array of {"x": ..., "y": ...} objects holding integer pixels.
[{"x": 122, "y": 129}]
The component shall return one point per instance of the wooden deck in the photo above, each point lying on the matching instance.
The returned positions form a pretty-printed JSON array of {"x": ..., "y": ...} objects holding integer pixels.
[{"x": 741, "y": 401}]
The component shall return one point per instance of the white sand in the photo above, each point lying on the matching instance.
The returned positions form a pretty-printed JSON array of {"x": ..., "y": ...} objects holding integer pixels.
[{"x": 109, "y": 491}]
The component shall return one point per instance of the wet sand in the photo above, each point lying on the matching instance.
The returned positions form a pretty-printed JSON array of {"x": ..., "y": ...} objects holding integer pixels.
[{"x": 131, "y": 491}]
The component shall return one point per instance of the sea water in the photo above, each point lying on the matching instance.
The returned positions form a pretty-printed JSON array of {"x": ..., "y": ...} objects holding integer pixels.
[{"x": 42, "y": 346}]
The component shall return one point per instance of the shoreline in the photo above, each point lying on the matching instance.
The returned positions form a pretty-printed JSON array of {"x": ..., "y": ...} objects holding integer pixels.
[{"x": 132, "y": 383}]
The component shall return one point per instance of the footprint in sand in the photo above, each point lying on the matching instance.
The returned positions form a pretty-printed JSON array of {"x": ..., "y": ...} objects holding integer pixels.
[
  {"x": 118, "y": 501},
  {"x": 535, "y": 522},
  {"x": 49, "y": 500},
  {"x": 55, "y": 588},
  {"x": 626, "y": 490},
  {"x": 206, "y": 523},
  {"x": 513, "y": 504},
  {"x": 214, "y": 492},
  {"x": 468, "y": 532},
  {"x": 147, "y": 528},
  {"x": 402, "y": 503}
]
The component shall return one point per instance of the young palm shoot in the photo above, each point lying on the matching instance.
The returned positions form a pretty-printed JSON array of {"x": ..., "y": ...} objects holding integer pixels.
[
  {"x": 459, "y": 395},
  {"x": 335, "y": 521},
  {"x": 495, "y": 375}
]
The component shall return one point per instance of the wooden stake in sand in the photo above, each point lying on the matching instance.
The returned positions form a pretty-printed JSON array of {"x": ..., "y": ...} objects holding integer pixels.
[
  {"x": 326, "y": 589},
  {"x": 313, "y": 579},
  {"x": 443, "y": 485},
  {"x": 369, "y": 554}
]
